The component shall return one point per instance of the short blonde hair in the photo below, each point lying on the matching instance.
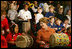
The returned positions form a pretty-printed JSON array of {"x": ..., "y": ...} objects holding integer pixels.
[
  {"x": 60, "y": 8},
  {"x": 52, "y": 7},
  {"x": 44, "y": 20},
  {"x": 39, "y": 8}
]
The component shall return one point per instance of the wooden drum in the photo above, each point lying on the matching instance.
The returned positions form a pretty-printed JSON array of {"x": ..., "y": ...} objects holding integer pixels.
[
  {"x": 59, "y": 39},
  {"x": 24, "y": 41}
]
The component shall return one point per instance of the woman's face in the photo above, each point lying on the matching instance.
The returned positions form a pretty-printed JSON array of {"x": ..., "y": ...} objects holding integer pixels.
[
  {"x": 16, "y": 29},
  {"x": 43, "y": 25}
]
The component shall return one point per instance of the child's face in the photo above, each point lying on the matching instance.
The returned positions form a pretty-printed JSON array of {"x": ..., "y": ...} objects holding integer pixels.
[
  {"x": 69, "y": 12},
  {"x": 35, "y": 2},
  {"x": 52, "y": 20},
  {"x": 66, "y": 21},
  {"x": 58, "y": 22},
  {"x": 61, "y": 11},
  {"x": 51, "y": 10},
  {"x": 40, "y": 11},
  {"x": 3, "y": 17},
  {"x": 16, "y": 29}
]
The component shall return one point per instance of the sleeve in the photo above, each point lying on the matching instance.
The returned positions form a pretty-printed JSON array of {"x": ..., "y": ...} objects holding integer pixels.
[
  {"x": 34, "y": 10},
  {"x": 29, "y": 15},
  {"x": 4, "y": 42},
  {"x": 19, "y": 13},
  {"x": 9, "y": 37},
  {"x": 8, "y": 13},
  {"x": 38, "y": 36},
  {"x": 6, "y": 25}
]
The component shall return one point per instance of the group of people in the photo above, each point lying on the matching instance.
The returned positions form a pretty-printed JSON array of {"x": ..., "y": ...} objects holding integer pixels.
[{"x": 40, "y": 20}]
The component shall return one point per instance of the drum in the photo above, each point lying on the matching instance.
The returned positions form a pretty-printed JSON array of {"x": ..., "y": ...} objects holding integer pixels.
[
  {"x": 24, "y": 41},
  {"x": 59, "y": 39}
]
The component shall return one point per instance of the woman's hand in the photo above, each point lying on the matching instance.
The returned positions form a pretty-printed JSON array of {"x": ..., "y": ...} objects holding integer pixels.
[{"x": 42, "y": 42}]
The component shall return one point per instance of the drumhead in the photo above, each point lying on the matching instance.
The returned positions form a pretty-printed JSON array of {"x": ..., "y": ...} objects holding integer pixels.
[
  {"x": 24, "y": 41},
  {"x": 59, "y": 39},
  {"x": 21, "y": 41}
]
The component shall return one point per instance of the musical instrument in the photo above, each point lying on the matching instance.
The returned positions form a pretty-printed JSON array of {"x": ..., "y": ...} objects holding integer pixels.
[
  {"x": 31, "y": 5},
  {"x": 59, "y": 39},
  {"x": 24, "y": 41}
]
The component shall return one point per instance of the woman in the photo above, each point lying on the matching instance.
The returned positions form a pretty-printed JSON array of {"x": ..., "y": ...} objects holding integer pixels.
[{"x": 44, "y": 33}]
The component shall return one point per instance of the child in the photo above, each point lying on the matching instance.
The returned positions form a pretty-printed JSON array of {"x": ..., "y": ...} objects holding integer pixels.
[
  {"x": 4, "y": 21},
  {"x": 50, "y": 13},
  {"x": 3, "y": 40},
  {"x": 69, "y": 34},
  {"x": 60, "y": 15},
  {"x": 38, "y": 17},
  {"x": 69, "y": 15},
  {"x": 52, "y": 24},
  {"x": 59, "y": 25},
  {"x": 12, "y": 12},
  {"x": 11, "y": 37},
  {"x": 66, "y": 25}
]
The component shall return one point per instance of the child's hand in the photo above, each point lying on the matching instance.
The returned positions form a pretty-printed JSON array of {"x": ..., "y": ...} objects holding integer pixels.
[{"x": 55, "y": 28}]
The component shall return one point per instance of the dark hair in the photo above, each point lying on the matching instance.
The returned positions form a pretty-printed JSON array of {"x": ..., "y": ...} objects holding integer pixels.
[
  {"x": 13, "y": 28},
  {"x": 25, "y": 5},
  {"x": 65, "y": 18},
  {"x": 68, "y": 28},
  {"x": 68, "y": 11}
]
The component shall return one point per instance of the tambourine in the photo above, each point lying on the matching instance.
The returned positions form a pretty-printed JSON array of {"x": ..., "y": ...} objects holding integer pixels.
[{"x": 31, "y": 5}]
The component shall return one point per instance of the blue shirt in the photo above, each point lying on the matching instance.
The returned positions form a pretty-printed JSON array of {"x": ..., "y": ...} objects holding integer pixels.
[
  {"x": 52, "y": 26},
  {"x": 59, "y": 27},
  {"x": 48, "y": 14}
]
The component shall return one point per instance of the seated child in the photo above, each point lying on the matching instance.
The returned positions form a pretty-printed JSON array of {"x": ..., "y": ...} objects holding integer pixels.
[
  {"x": 59, "y": 25},
  {"x": 3, "y": 40},
  {"x": 38, "y": 16},
  {"x": 69, "y": 34},
  {"x": 66, "y": 25},
  {"x": 50, "y": 13},
  {"x": 52, "y": 24},
  {"x": 11, "y": 37}
]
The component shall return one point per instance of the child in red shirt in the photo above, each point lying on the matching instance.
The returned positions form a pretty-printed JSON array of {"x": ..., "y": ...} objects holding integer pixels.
[
  {"x": 4, "y": 21},
  {"x": 11, "y": 37},
  {"x": 3, "y": 40},
  {"x": 69, "y": 34}
]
